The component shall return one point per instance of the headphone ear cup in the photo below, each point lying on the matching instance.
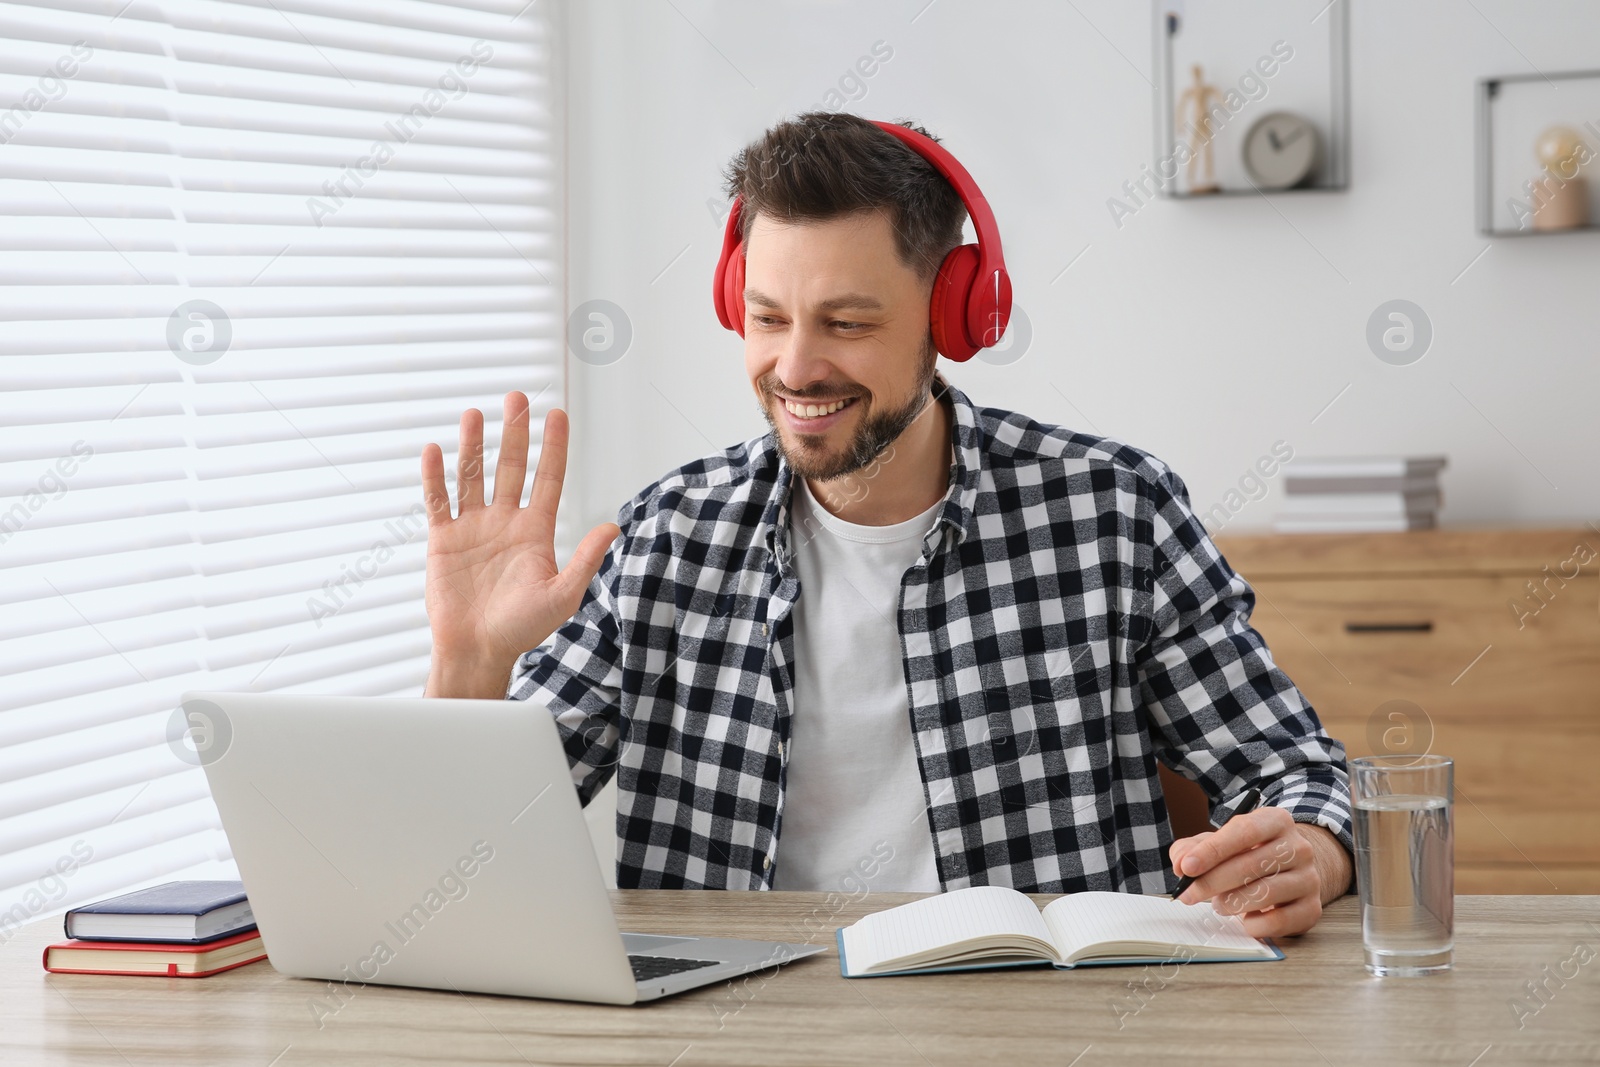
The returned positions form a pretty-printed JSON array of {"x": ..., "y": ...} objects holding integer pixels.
[
  {"x": 947, "y": 311},
  {"x": 733, "y": 291},
  {"x": 727, "y": 283}
]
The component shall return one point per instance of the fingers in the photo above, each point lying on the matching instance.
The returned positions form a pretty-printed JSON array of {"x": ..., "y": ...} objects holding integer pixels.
[
  {"x": 1249, "y": 880},
  {"x": 1272, "y": 874},
  {"x": 1286, "y": 920},
  {"x": 510, "y": 473},
  {"x": 1183, "y": 846},
  {"x": 511, "y": 469},
  {"x": 1241, "y": 832},
  {"x": 469, "y": 462},
  {"x": 550, "y": 474},
  {"x": 435, "y": 497},
  {"x": 1273, "y": 886},
  {"x": 584, "y": 564}
]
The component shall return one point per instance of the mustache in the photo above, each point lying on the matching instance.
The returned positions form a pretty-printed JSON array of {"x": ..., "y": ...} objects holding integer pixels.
[{"x": 769, "y": 388}]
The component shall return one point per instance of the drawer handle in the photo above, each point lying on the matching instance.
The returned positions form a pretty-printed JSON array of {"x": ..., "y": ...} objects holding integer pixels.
[{"x": 1389, "y": 627}]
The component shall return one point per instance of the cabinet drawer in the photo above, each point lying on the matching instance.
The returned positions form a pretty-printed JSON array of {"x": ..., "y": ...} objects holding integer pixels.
[
  {"x": 1351, "y": 645},
  {"x": 1525, "y": 793}
]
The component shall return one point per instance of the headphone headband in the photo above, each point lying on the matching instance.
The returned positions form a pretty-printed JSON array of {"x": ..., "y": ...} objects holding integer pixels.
[
  {"x": 977, "y": 205},
  {"x": 971, "y": 299}
]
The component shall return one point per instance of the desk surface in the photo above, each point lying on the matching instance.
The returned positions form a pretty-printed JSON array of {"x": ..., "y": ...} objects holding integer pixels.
[{"x": 1317, "y": 1006}]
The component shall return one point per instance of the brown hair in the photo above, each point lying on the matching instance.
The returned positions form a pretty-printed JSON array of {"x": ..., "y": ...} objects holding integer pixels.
[{"x": 824, "y": 164}]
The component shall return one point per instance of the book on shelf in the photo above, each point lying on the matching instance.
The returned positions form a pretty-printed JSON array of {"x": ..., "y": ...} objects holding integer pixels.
[
  {"x": 1359, "y": 506},
  {"x": 993, "y": 926},
  {"x": 159, "y": 958},
  {"x": 1294, "y": 485},
  {"x": 1391, "y": 505},
  {"x": 1336, "y": 467},
  {"x": 1353, "y": 523},
  {"x": 191, "y": 911}
]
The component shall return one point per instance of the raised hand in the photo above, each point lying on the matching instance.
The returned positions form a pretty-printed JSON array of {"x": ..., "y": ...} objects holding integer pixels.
[{"x": 494, "y": 589}]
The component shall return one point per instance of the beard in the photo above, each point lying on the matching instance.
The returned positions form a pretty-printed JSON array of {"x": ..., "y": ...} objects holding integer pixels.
[{"x": 811, "y": 459}]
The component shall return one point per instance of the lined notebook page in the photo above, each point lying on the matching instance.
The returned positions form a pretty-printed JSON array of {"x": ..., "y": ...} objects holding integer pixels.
[
  {"x": 1087, "y": 918},
  {"x": 944, "y": 919}
]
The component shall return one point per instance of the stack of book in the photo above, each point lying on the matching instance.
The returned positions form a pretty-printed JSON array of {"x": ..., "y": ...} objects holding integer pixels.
[
  {"x": 176, "y": 930},
  {"x": 1361, "y": 495}
]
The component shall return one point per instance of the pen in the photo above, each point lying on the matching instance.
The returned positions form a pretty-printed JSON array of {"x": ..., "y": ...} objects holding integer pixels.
[{"x": 1246, "y": 803}]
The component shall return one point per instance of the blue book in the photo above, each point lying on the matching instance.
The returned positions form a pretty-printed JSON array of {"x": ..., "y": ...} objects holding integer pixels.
[
  {"x": 982, "y": 927},
  {"x": 183, "y": 912}
]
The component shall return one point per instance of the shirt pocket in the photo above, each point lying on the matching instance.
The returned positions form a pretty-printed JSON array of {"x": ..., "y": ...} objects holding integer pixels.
[
  {"x": 720, "y": 687},
  {"x": 1049, "y": 731}
]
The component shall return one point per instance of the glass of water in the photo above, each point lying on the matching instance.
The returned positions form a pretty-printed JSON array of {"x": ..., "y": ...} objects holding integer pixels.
[{"x": 1405, "y": 861}]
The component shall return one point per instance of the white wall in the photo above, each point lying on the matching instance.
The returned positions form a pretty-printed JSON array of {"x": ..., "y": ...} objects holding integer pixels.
[{"x": 1201, "y": 331}]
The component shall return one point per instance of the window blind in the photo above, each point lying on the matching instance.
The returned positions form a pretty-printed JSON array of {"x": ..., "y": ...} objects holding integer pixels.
[{"x": 253, "y": 255}]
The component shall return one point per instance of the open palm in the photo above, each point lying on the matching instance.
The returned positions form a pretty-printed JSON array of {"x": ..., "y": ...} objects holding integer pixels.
[{"x": 493, "y": 587}]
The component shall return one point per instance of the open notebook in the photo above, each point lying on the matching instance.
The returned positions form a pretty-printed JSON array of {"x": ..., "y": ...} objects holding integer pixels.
[{"x": 992, "y": 926}]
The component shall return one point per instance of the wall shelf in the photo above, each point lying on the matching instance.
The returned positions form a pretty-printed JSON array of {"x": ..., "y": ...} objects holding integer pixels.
[
  {"x": 1282, "y": 65},
  {"x": 1513, "y": 111}
]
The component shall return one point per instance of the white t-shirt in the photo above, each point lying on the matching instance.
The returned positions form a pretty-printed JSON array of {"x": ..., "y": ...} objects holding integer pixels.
[{"x": 854, "y": 808}]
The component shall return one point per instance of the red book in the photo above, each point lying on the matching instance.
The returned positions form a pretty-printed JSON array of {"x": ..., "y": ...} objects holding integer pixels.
[{"x": 150, "y": 957}]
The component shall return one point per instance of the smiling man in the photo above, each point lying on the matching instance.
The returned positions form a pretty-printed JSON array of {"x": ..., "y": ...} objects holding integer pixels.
[{"x": 900, "y": 640}]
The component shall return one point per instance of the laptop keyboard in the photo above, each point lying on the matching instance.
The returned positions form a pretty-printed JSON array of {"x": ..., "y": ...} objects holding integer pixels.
[{"x": 648, "y": 967}]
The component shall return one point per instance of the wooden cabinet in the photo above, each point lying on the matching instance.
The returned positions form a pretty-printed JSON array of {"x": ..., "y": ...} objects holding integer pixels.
[{"x": 1479, "y": 645}]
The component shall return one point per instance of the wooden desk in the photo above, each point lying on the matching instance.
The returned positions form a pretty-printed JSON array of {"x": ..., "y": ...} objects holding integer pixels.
[{"x": 1318, "y": 1006}]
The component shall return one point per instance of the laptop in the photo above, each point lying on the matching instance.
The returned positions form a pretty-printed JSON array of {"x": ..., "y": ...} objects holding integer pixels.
[{"x": 435, "y": 843}]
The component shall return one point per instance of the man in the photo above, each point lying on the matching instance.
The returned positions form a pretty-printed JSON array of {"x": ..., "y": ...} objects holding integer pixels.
[{"x": 899, "y": 638}]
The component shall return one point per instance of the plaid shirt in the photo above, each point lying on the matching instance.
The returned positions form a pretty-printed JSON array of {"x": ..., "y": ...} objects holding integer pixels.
[{"x": 1068, "y": 624}]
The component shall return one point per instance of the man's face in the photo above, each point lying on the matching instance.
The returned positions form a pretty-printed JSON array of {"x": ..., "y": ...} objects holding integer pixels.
[{"x": 836, "y": 339}]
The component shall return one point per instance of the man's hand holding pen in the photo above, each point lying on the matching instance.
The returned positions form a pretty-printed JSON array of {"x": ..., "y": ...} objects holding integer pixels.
[{"x": 1274, "y": 873}]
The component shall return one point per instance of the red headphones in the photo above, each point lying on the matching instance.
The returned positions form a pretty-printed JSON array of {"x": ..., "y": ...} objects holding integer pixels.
[{"x": 971, "y": 295}]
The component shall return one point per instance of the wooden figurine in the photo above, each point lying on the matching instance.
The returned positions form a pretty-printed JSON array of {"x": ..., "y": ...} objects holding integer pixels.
[{"x": 1199, "y": 99}]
